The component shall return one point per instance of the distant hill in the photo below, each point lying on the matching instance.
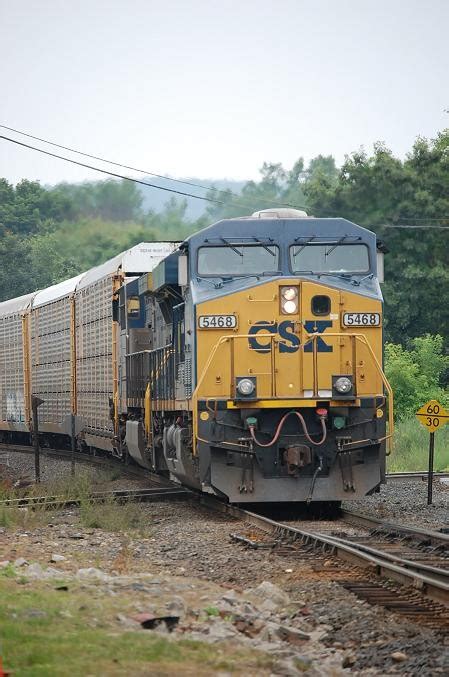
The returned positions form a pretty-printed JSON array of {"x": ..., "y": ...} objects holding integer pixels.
[{"x": 156, "y": 199}]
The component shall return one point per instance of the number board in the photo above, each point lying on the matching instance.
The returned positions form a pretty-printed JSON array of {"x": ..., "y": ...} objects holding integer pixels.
[
  {"x": 361, "y": 319},
  {"x": 432, "y": 416},
  {"x": 217, "y": 321}
]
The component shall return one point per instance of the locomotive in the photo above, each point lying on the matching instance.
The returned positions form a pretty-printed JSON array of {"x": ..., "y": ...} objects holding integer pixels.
[{"x": 245, "y": 361}]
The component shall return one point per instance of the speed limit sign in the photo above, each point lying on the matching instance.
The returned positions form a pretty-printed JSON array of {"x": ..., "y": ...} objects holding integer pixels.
[{"x": 432, "y": 416}]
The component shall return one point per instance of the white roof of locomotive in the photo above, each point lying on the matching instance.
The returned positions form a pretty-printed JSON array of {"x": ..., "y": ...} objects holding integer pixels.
[
  {"x": 14, "y": 306},
  {"x": 56, "y": 291},
  {"x": 142, "y": 258}
]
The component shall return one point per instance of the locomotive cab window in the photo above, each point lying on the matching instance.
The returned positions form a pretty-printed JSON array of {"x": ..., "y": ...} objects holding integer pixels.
[
  {"x": 329, "y": 258},
  {"x": 321, "y": 305},
  {"x": 237, "y": 259}
]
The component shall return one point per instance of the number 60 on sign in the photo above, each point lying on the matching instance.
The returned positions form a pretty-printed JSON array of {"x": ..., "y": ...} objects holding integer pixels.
[{"x": 432, "y": 415}]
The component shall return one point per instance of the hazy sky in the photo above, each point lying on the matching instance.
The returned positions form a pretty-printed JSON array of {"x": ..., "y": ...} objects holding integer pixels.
[{"x": 212, "y": 89}]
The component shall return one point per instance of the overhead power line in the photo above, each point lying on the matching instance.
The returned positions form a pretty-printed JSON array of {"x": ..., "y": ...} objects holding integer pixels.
[
  {"x": 136, "y": 169},
  {"x": 118, "y": 176},
  {"x": 173, "y": 190},
  {"x": 412, "y": 227}
]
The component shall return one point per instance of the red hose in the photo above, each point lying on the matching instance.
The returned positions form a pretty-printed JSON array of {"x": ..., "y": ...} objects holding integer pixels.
[{"x": 280, "y": 426}]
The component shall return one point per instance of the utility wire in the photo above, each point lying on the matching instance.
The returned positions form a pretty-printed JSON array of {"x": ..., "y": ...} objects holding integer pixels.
[
  {"x": 119, "y": 176},
  {"x": 135, "y": 169},
  {"x": 412, "y": 227},
  {"x": 179, "y": 192}
]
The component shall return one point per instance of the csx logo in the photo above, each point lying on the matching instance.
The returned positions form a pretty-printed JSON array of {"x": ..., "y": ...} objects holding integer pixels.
[{"x": 289, "y": 342}]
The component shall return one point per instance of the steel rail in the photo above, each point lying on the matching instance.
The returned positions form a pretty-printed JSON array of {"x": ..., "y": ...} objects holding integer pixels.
[
  {"x": 87, "y": 459},
  {"x": 435, "y": 538},
  {"x": 120, "y": 495},
  {"x": 375, "y": 560},
  {"x": 415, "y": 474}
]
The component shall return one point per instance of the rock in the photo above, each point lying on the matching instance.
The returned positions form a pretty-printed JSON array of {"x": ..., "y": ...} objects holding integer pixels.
[
  {"x": 177, "y": 606},
  {"x": 268, "y": 605},
  {"x": 269, "y": 592},
  {"x": 20, "y": 562},
  {"x": 162, "y": 623},
  {"x": 57, "y": 558},
  {"x": 35, "y": 613},
  {"x": 399, "y": 656},
  {"x": 35, "y": 570},
  {"x": 230, "y": 597},
  {"x": 219, "y": 630},
  {"x": 248, "y": 626},
  {"x": 51, "y": 572},
  {"x": 349, "y": 660},
  {"x": 292, "y": 635},
  {"x": 4, "y": 563},
  {"x": 287, "y": 668},
  {"x": 93, "y": 574}
]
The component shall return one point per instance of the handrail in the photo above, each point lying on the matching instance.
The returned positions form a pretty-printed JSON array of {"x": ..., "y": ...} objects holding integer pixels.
[{"x": 313, "y": 337}]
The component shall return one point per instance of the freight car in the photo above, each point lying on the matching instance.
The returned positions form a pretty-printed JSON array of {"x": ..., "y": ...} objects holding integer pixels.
[{"x": 244, "y": 362}]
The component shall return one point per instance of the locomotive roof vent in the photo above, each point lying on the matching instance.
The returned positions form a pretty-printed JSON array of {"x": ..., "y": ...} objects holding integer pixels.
[{"x": 279, "y": 213}]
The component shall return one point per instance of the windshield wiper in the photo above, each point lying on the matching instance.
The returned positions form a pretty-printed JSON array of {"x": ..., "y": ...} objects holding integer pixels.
[
  {"x": 301, "y": 247},
  {"x": 343, "y": 276},
  {"x": 264, "y": 246},
  {"x": 240, "y": 277},
  {"x": 234, "y": 249},
  {"x": 357, "y": 283},
  {"x": 215, "y": 284}
]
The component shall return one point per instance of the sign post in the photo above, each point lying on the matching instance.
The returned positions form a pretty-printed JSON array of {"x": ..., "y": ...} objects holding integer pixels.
[
  {"x": 35, "y": 403},
  {"x": 433, "y": 417}
]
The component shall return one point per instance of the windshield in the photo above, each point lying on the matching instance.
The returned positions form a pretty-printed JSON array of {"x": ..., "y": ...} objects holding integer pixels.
[
  {"x": 329, "y": 258},
  {"x": 237, "y": 259}
]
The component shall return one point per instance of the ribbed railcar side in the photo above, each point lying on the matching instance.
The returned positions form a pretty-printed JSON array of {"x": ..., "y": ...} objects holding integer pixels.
[
  {"x": 14, "y": 375},
  {"x": 50, "y": 351},
  {"x": 94, "y": 355}
]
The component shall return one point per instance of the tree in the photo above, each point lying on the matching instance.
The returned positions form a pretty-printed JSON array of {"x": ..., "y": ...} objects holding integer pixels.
[{"x": 416, "y": 374}]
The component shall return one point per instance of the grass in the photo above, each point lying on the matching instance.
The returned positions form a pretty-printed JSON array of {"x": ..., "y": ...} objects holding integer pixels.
[
  {"x": 110, "y": 515},
  {"x": 411, "y": 448},
  {"x": 48, "y": 632}
]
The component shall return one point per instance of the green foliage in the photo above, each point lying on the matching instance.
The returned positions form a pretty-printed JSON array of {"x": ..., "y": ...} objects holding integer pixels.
[
  {"x": 109, "y": 200},
  {"x": 110, "y": 515},
  {"x": 415, "y": 374},
  {"x": 381, "y": 189},
  {"x": 50, "y": 234},
  {"x": 212, "y": 611},
  {"x": 29, "y": 208},
  {"x": 411, "y": 447}
]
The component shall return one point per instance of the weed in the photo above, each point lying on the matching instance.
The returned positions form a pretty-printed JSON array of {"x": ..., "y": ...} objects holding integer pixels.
[
  {"x": 111, "y": 515},
  {"x": 411, "y": 446},
  {"x": 8, "y": 571},
  {"x": 212, "y": 611}
]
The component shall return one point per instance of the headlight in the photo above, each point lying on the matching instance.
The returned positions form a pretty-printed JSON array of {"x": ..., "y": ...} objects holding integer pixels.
[
  {"x": 246, "y": 387},
  {"x": 289, "y": 300},
  {"x": 289, "y": 307},
  {"x": 289, "y": 293},
  {"x": 343, "y": 385}
]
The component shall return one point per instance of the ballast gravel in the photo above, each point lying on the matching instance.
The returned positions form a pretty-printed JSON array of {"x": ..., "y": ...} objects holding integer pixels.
[
  {"x": 291, "y": 606},
  {"x": 405, "y": 501}
]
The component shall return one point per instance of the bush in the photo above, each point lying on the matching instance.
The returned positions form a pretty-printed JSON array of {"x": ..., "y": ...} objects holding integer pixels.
[{"x": 415, "y": 374}]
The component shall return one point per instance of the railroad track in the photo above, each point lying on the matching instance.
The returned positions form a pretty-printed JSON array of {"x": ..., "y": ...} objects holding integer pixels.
[
  {"x": 404, "y": 569},
  {"x": 415, "y": 474},
  {"x": 120, "y": 496},
  {"x": 89, "y": 459}
]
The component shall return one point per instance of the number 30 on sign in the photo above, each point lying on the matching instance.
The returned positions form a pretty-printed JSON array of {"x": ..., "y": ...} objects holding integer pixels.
[{"x": 432, "y": 415}]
